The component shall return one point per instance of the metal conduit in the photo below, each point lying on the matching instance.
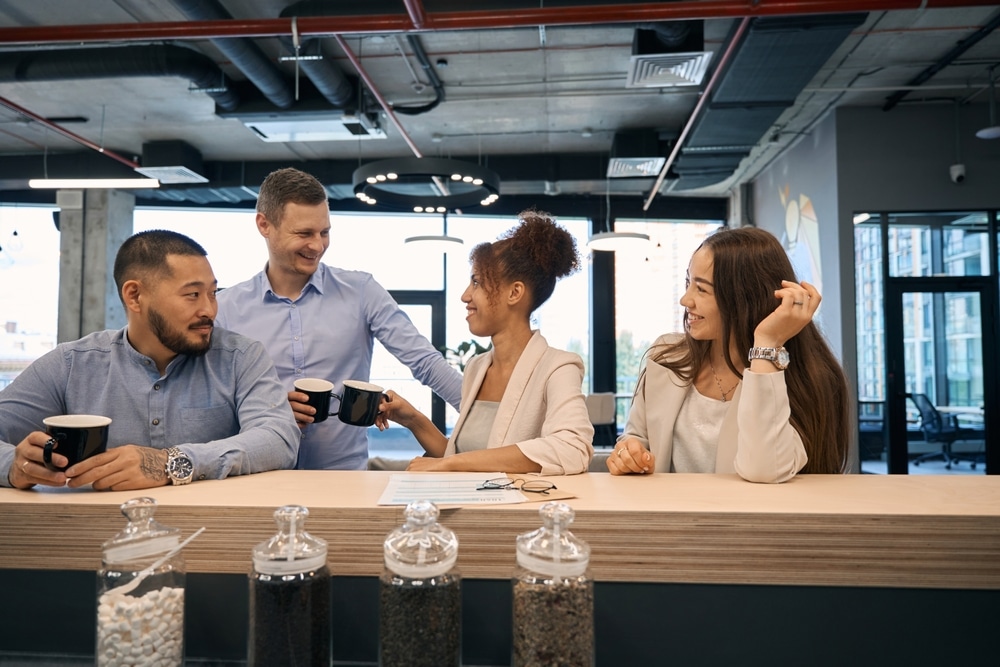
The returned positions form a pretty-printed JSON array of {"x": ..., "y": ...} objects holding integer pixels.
[{"x": 467, "y": 20}]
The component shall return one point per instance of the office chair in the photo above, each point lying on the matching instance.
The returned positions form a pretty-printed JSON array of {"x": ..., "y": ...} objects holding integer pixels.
[{"x": 943, "y": 429}]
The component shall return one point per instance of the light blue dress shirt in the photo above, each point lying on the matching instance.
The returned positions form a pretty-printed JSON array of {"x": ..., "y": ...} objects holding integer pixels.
[
  {"x": 328, "y": 333},
  {"x": 225, "y": 409}
]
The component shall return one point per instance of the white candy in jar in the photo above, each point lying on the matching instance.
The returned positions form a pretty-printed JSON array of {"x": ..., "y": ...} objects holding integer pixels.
[{"x": 146, "y": 631}]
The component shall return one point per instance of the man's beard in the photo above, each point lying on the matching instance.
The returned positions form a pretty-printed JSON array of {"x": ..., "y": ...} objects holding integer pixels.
[{"x": 173, "y": 339}]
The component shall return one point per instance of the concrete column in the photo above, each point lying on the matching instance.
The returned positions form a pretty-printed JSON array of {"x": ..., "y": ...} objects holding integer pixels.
[{"x": 92, "y": 224}]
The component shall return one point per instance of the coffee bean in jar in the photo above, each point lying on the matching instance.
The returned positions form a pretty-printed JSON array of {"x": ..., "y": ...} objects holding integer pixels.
[
  {"x": 420, "y": 593},
  {"x": 553, "y": 594},
  {"x": 290, "y": 597}
]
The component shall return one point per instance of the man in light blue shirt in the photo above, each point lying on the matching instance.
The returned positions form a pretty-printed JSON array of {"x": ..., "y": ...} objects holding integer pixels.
[
  {"x": 187, "y": 401},
  {"x": 318, "y": 321}
]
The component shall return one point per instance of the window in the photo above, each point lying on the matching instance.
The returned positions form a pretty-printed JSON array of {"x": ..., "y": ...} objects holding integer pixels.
[
  {"x": 29, "y": 287},
  {"x": 648, "y": 289}
]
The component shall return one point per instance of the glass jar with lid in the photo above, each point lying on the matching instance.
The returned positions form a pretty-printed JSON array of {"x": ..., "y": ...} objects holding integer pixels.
[
  {"x": 553, "y": 594},
  {"x": 420, "y": 597},
  {"x": 140, "y": 603},
  {"x": 289, "y": 596}
]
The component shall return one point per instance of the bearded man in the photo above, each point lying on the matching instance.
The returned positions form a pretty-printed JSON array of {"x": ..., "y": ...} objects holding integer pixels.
[{"x": 187, "y": 401}]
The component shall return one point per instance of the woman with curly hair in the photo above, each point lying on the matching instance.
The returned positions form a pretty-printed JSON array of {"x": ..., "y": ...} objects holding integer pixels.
[
  {"x": 751, "y": 386},
  {"x": 522, "y": 407}
]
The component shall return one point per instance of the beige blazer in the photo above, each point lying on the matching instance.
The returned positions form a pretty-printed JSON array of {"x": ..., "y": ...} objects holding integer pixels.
[
  {"x": 542, "y": 411},
  {"x": 757, "y": 441}
]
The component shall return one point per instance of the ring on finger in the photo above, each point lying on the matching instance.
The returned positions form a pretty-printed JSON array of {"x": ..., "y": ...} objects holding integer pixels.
[
  {"x": 621, "y": 452},
  {"x": 25, "y": 466}
]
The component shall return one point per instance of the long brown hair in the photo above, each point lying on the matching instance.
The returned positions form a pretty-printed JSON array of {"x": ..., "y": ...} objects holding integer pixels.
[{"x": 748, "y": 266}]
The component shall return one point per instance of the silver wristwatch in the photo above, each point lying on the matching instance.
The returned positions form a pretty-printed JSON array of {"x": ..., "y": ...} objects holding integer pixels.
[
  {"x": 180, "y": 468},
  {"x": 776, "y": 355}
]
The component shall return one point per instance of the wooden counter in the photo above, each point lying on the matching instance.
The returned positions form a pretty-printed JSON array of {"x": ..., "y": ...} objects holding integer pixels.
[{"x": 838, "y": 530}]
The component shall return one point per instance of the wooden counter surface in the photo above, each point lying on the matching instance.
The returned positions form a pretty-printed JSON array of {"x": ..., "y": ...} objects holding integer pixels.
[{"x": 839, "y": 530}]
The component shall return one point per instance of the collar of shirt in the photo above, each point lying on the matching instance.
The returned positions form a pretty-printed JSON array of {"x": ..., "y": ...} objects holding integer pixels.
[{"x": 265, "y": 291}]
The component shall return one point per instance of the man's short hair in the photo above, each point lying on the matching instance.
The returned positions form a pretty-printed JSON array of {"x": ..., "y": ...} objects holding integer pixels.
[
  {"x": 145, "y": 253},
  {"x": 288, "y": 186}
]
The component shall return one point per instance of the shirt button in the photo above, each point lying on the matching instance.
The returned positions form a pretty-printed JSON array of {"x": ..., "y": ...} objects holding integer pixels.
[
  {"x": 156, "y": 387},
  {"x": 156, "y": 422},
  {"x": 295, "y": 337}
]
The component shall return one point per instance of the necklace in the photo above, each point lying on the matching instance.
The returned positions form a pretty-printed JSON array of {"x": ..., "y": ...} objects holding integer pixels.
[{"x": 725, "y": 392}]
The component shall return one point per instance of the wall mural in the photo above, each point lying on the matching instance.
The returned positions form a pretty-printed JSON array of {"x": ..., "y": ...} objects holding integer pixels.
[{"x": 801, "y": 237}]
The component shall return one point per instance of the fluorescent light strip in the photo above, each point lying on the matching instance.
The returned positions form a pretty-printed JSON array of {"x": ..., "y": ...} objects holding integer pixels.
[{"x": 92, "y": 183}]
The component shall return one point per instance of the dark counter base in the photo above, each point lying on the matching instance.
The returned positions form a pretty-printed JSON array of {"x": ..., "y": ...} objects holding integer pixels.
[{"x": 53, "y": 612}]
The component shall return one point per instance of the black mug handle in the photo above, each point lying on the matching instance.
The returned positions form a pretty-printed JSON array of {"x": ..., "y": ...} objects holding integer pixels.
[
  {"x": 50, "y": 444},
  {"x": 340, "y": 403}
]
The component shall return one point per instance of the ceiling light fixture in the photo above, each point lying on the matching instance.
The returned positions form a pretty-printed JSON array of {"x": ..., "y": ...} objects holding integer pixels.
[
  {"x": 609, "y": 241},
  {"x": 993, "y": 131},
  {"x": 92, "y": 183},
  {"x": 437, "y": 243},
  {"x": 618, "y": 241},
  {"x": 425, "y": 184}
]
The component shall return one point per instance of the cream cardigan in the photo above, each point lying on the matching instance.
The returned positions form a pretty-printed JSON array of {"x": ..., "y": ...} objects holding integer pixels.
[
  {"x": 542, "y": 411},
  {"x": 757, "y": 441}
]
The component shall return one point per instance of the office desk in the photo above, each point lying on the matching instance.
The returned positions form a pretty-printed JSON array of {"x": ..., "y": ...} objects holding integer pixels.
[
  {"x": 831, "y": 530},
  {"x": 721, "y": 570}
]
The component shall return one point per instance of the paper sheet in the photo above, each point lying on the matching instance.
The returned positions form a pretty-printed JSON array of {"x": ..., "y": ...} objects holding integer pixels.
[
  {"x": 449, "y": 488},
  {"x": 460, "y": 488}
]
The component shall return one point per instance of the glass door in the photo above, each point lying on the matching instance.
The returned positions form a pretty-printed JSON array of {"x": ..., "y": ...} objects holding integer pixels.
[
  {"x": 941, "y": 373},
  {"x": 426, "y": 310}
]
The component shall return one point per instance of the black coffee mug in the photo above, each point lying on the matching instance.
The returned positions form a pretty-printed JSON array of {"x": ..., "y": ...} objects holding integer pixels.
[
  {"x": 359, "y": 403},
  {"x": 319, "y": 392},
  {"x": 77, "y": 437}
]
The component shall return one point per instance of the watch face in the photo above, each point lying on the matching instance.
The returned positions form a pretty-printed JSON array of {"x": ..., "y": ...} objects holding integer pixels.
[
  {"x": 180, "y": 467},
  {"x": 782, "y": 357}
]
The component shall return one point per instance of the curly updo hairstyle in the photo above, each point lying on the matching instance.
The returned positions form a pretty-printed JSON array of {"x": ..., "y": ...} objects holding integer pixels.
[{"x": 536, "y": 252}]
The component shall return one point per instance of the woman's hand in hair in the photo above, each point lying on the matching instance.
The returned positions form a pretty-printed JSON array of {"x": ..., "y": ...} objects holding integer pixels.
[{"x": 797, "y": 303}]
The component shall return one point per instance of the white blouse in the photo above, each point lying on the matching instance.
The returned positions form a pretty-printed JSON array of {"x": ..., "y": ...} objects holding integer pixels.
[
  {"x": 475, "y": 434},
  {"x": 696, "y": 432}
]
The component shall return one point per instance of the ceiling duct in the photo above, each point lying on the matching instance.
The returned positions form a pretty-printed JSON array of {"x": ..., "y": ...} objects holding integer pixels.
[
  {"x": 636, "y": 154},
  {"x": 774, "y": 62},
  {"x": 121, "y": 61},
  {"x": 172, "y": 162},
  {"x": 333, "y": 125},
  {"x": 667, "y": 55},
  {"x": 242, "y": 52}
]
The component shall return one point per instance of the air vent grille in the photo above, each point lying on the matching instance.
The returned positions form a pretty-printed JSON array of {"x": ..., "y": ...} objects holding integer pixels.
[
  {"x": 667, "y": 70},
  {"x": 172, "y": 174}
]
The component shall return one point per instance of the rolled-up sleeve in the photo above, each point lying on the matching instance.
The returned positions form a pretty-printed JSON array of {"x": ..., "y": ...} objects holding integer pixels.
[{"x": 565, "y": 442}]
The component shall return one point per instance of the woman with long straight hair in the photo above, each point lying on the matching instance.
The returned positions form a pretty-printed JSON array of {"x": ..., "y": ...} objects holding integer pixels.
[{"x": 751, "y": 386}]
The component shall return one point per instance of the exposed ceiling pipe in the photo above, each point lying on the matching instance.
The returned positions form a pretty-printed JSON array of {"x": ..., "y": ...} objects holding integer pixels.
[
  {"x": 328, "y": 78},
  {"x": 384, "y": 103},
  {"x": 243, "y": 53},
  {"x": 418, "y": 50},
  {"x": 415, "y": 8},
  {"x": 466, "y": 20},
  {"x": 386, "y": 107},
  {"x": 13, "y": 106},
  {"x": 124, "y": 61},
  {"x": 705, "y": 94},
  {"x": 945, "y": 60}
]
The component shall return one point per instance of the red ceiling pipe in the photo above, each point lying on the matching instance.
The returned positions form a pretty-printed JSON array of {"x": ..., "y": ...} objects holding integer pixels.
[
  {"x": 13, "y": 106},
  {"x": 378, "y": 95},
  {"x": 723, "y": 61},
  {"x": 415, "y": 8},
  {"x": 467, "y": 20}
]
